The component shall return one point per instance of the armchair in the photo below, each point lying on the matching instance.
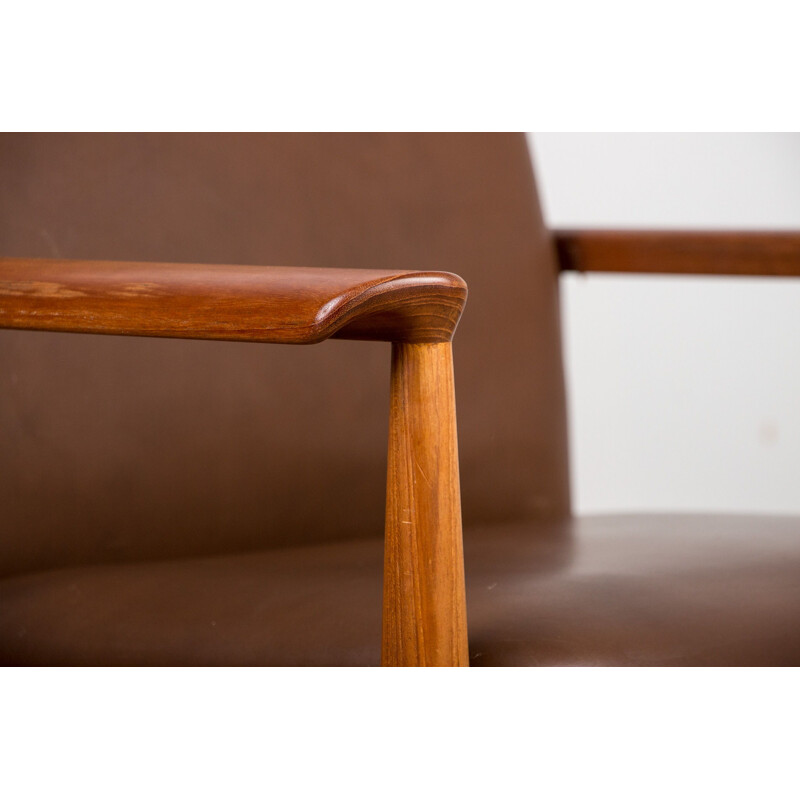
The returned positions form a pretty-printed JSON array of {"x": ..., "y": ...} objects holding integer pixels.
[{"x": 221, "y": 502}]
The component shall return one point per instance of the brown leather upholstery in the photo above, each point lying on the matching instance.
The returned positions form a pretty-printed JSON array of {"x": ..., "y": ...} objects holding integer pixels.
[
  {"x": 626, "y": 590},
  {"x": 176, "y": 502}
]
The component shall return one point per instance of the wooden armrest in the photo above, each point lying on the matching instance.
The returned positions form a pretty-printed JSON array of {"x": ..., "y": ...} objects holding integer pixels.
[
  {"x": 424, "y": 606},
  {"x": 284, "y": 305},
  {"x": 680, "y": 252}
]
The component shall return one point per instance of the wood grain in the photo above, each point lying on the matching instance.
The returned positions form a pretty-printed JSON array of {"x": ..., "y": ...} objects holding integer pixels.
[
  {"x": 680, "y": 252},
  {"x": 424, "y": 603},
  {"x": 285, "y": 305}
]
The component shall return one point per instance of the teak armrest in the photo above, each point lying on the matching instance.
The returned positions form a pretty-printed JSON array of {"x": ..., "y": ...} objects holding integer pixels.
[
  {"x": 424, "y": 603},
  {"x": 680, "y": 252},
  {"x": 282, "y": 305}
]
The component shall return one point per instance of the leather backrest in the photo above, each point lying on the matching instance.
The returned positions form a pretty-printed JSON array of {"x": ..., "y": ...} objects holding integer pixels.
[{"x": 117, "y": 448}]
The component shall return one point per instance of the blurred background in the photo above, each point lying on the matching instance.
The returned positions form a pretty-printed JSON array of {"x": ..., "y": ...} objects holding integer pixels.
[{"x": 684, "y": 393}]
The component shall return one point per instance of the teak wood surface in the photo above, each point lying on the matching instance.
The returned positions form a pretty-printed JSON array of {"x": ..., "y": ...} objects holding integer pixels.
[
  {"x": 767, "y": 253},
  {"x": 283, "y": 305},
  {"x": 424, "y": 605}
]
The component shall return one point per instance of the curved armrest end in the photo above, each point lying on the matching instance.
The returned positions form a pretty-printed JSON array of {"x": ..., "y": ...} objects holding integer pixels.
[{"x": 415, "y": 308}]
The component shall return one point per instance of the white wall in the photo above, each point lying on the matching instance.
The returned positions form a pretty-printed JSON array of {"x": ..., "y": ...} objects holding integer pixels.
[{"x": 684, "y": 393}]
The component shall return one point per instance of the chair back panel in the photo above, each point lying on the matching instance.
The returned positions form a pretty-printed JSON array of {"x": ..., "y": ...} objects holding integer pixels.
[{"x": 115, "y": 448}]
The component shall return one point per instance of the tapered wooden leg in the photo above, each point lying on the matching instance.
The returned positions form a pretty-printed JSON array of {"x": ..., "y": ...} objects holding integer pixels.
[{"x": 424, "y": 604}]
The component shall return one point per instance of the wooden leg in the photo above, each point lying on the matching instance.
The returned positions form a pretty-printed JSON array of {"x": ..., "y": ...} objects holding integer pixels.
[{"x": 424, "y": 604}]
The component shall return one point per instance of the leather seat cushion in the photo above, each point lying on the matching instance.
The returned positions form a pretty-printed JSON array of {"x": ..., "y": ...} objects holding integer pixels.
[{"x": 605, "y": 590}]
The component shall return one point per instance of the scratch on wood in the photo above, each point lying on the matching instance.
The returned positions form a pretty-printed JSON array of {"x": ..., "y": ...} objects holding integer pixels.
[{"x": 422, "y": 471}]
